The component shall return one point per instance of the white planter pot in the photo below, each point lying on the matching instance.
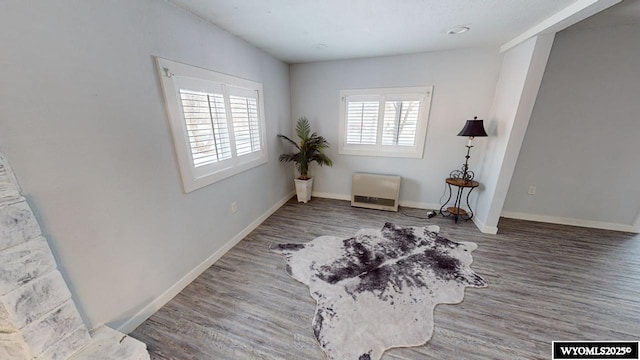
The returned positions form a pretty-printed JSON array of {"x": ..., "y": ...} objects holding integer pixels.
[{"x": 303, "y": 189}]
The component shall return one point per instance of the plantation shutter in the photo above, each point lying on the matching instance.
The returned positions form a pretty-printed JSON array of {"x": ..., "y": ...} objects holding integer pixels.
[
  {"x": 389, "y": 122},
  {"x": 217, "y": 122},
  {"x": 400, "y": 122},
  {"x": 206, "y": 125},
  {"x": 245, "y": 120},
  {"x": 362, "y": 121}
]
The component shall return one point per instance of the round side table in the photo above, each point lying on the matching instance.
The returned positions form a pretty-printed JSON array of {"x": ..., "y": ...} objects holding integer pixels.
[{"x": 456, "y": 210}]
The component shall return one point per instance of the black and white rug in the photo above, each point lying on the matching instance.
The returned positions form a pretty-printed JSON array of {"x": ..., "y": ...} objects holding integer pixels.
[{"x": 377, "y": 290}]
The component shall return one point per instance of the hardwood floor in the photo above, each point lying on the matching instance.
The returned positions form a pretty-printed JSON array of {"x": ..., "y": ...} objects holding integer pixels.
[{"x": 546, "y": 282}]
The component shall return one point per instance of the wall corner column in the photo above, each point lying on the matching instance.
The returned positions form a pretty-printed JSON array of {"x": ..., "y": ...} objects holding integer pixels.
[{"x": 516, "y": 91}]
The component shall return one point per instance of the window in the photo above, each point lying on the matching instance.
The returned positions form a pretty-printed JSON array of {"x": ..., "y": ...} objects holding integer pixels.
[
  {"x": 384, "y": 122},
  {"x": 217, "y": 122}
]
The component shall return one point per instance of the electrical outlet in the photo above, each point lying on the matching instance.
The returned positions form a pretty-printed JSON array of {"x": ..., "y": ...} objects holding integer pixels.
[
  {"x": 234, "y": 207},
  {"x": 532, "y": 190}
]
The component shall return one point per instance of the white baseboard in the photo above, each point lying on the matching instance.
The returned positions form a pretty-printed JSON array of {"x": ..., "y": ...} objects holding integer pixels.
[
  {"x": 570, "y": 221},
  {"x": 419, "y": 205},
  {"x": 331, "y": 196},
  {"x": 174, "y": 290},
  {"x": 484, "y": 228},
  {"x": 412, "y": 204}
]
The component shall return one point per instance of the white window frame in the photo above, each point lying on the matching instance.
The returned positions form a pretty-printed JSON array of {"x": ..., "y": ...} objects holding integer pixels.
[
  {"x": 172, "y": 75},
  {"x": 422, "y": 93}
]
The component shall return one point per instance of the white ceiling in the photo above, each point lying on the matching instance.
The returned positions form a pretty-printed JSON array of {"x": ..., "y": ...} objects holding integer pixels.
[{"x": 292, "y": 30}]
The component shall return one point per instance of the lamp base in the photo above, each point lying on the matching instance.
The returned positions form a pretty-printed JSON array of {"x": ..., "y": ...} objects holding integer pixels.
[{"x": 464, "y": 174}]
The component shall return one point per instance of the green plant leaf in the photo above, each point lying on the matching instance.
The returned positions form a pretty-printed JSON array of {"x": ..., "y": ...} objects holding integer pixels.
[
  {"x": 311, "y": 148},
  {"x": 303, "y": 128},
  {"x": 289, "y": 141}
]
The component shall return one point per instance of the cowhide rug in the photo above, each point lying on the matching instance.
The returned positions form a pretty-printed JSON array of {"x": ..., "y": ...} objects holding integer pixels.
[{"x": 377, "y": 290}]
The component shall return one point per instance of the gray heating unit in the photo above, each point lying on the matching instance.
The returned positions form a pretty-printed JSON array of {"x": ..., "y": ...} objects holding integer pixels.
[{"x": 375, "y": 191}]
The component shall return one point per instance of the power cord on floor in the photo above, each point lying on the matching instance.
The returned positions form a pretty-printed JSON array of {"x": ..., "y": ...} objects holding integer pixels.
[{"x": 430, "y": 213}]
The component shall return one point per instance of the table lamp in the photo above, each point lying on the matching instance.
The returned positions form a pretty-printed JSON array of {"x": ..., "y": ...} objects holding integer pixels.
[{"x": 471, "y": 129}]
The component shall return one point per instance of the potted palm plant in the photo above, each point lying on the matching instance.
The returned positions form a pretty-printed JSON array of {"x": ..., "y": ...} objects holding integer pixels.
[{"x": 311, "y": 148}]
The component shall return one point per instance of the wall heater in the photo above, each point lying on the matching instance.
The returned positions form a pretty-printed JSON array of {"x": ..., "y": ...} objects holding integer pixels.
[{"x": 375, "y": 191}]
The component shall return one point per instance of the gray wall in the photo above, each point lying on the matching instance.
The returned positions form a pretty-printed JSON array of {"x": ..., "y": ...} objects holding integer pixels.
[
  {"x": 83, "y": 123},
  {"x": 464, "y": 83},
  {"x": 580, "y": 149}
]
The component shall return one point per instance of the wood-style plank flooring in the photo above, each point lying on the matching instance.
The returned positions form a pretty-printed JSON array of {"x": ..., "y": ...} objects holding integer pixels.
[{"x": 546, "y": 282}]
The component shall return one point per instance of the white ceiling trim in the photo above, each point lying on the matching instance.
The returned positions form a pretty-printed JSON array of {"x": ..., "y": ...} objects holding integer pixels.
[{"x": 570, "y": 15}]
